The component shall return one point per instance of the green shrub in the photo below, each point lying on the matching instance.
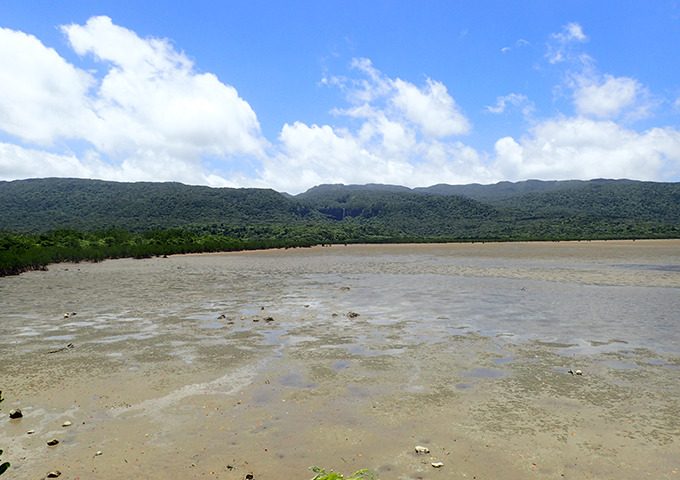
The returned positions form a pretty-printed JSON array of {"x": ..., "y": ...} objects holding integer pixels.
[{"x": 360, "y": 475}]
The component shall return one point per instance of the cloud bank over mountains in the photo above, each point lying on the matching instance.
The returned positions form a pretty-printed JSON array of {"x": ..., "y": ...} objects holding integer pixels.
[{"x": 147, "y": 113}]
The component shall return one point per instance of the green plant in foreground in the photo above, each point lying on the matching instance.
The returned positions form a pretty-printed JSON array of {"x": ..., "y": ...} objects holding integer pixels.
[
  {"x": 4, "y": 466},
  {"x": 360, "y": 475}
]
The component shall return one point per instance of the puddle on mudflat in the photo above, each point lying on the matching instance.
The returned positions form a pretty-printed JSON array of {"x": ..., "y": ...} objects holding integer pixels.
[
  {"x": 655, "y": 361},
  {"x": 295, "y": 380},
  {"x": 504, "y": 360},
  {"x": 618, "y": 365},
  {"x": 214, "y": 325},
  {"x": 273, "y": 337},
  {"x": 341, "y": 364}
]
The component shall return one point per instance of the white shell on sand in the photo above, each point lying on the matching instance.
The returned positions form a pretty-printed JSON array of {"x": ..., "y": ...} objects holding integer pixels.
[
  {"x": 437, "y": 464},
  {"x": 422, "y": 450},
  {"x": 66, "y": 424}
]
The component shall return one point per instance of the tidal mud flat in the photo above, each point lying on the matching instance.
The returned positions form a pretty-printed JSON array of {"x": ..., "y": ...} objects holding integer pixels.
[{"x": 269, "y": 362}]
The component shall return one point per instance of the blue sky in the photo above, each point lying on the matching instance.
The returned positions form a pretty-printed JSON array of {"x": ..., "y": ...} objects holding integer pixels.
[{"x": 288, "y": 95}]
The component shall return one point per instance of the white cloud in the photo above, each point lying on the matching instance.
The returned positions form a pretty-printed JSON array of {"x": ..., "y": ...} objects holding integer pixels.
[
  {"x": 152, "y": 99},
  {"x": 19, "y": 162},
  {"x": 594, "y": 94},
  {"x": 151, "y": 114},
  {"x": 519, "y": 43},
  {"x": 364, "y": 90},
  {"x": 605, "y": 98},
  {"x": 514, "y": 99},
  {"x": 559, "y": 46},
  {"x": 398, "y": 140},
  {"x": 320, "y": 154},
  {"x": 582, "y": 148},
  {"x": 42, "y": 97},
  {"x": 432, "y": 108},
  {"x": 573, "y": 32}
]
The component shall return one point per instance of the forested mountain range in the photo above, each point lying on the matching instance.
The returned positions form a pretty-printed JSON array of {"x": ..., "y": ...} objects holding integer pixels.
[{"x": 524, "y": 210}]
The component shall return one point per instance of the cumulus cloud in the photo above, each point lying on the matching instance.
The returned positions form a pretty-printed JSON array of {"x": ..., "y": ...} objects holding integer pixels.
[
  {"x": 431, "y": 108},
  {"x": 152, "y": 114},
  {"x": 152, "y": 98},
  {"x": 605, "y": 100},
  {"x": 595, "y": 94},
  {"x": 321, "y": 154},
  {"x": 403, "y": 137},
  {"x": 583, "y": 148},
  {"x": 42, "y": 97},
  {"x": 606, "y": 97}
]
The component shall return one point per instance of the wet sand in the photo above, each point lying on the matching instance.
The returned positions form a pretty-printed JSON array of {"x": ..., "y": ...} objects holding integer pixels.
[{"x": 221, "y": 365}]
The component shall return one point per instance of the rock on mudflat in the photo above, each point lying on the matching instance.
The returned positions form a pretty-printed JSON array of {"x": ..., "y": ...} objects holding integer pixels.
[
  {"x": 422, "y": 450},
  {"x": 16, "y": 413}
]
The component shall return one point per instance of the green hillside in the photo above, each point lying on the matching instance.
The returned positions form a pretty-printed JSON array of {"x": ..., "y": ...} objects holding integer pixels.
[
  {"x": 528, "y": 210},
  {"x": 43, "y": 205},
  {"x": 407, "y": 212},
  {"x": 501, "y": 190},
  {"x": 614, "y": 199}
]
